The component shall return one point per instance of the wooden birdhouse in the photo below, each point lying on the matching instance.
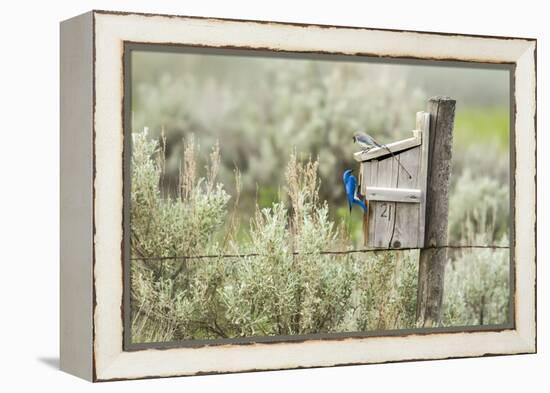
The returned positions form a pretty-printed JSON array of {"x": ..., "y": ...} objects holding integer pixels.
[{"x": 394, "y": 187}]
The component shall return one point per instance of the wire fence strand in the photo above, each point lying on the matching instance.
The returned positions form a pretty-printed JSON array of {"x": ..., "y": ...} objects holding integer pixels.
[{"x": 327, "y": 252}]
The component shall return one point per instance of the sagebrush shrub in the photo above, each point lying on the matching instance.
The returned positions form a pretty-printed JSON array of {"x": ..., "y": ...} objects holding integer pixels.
[
  {"x": 477, "y": 281},
  {"x": 277, "y": 278},
  {"x": 287, "y": 286}
]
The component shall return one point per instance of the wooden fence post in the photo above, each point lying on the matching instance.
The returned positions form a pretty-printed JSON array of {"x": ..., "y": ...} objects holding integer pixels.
[{"x": 431, "y": 270}]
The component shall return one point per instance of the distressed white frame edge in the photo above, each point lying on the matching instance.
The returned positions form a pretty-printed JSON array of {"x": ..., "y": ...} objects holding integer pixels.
[{"x": 111, "y": 362}]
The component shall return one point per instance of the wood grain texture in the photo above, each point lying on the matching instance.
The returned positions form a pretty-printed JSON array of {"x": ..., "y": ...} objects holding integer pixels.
[
  {"x": 432, "y": 260},
  {"x": 395, "y": 219},
  {"x": 406, "y": 195},
  {"x": 407, "y": 215},
  {"x": 423, "y": 123}
]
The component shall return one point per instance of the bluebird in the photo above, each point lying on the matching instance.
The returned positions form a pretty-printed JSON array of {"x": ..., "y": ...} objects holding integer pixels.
[
  {"x": 350, "y": 184},
  {"x": 367, "y": 142}
]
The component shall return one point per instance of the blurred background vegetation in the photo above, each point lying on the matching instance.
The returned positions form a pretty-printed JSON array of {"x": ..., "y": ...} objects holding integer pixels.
[{"x": 260, "y": 110}]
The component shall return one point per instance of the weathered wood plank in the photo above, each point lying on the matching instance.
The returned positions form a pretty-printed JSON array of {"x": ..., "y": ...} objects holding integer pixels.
[
  {"x": 394, "y": 200},
  {"x": 361, "y": 180},
  {"x": 366, "y": 223},
  {"x": 423, "y": 125},
  {"x": 365, "y": 177},
  {"x": 405, "y": 233},
  {"x": 371, "y": 170},
  {"x": 394, "y": 147},
  {"x": 387, "y": 176},
  {"x": 433, "y": 259},
  {"x": 395, "y": 197},
  {"x": 406, "y": 195}
]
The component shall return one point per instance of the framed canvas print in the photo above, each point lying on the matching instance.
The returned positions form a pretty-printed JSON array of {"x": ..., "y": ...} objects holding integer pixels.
[{"x": 245, "y": 195}]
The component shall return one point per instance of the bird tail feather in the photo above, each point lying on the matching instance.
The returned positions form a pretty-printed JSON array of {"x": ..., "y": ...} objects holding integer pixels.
[{"x": 361, "y": 203}]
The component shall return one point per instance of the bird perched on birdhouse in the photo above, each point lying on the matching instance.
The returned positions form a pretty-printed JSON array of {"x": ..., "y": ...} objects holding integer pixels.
[
  {"x": 395, "y": 195},
  {"x": 350, "y": 185},
  {"x": 367, "y": 142}
]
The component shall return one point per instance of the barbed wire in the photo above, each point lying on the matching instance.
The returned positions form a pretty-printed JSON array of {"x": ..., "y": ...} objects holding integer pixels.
[{"x": 327, "y": 252}]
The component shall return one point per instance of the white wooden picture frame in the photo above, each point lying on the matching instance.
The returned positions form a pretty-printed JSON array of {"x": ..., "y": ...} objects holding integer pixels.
[{"x": 92, "y": 268}]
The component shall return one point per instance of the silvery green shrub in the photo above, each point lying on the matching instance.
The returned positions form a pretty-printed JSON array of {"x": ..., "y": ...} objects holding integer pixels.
[{"x": 287, "y": 286}]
